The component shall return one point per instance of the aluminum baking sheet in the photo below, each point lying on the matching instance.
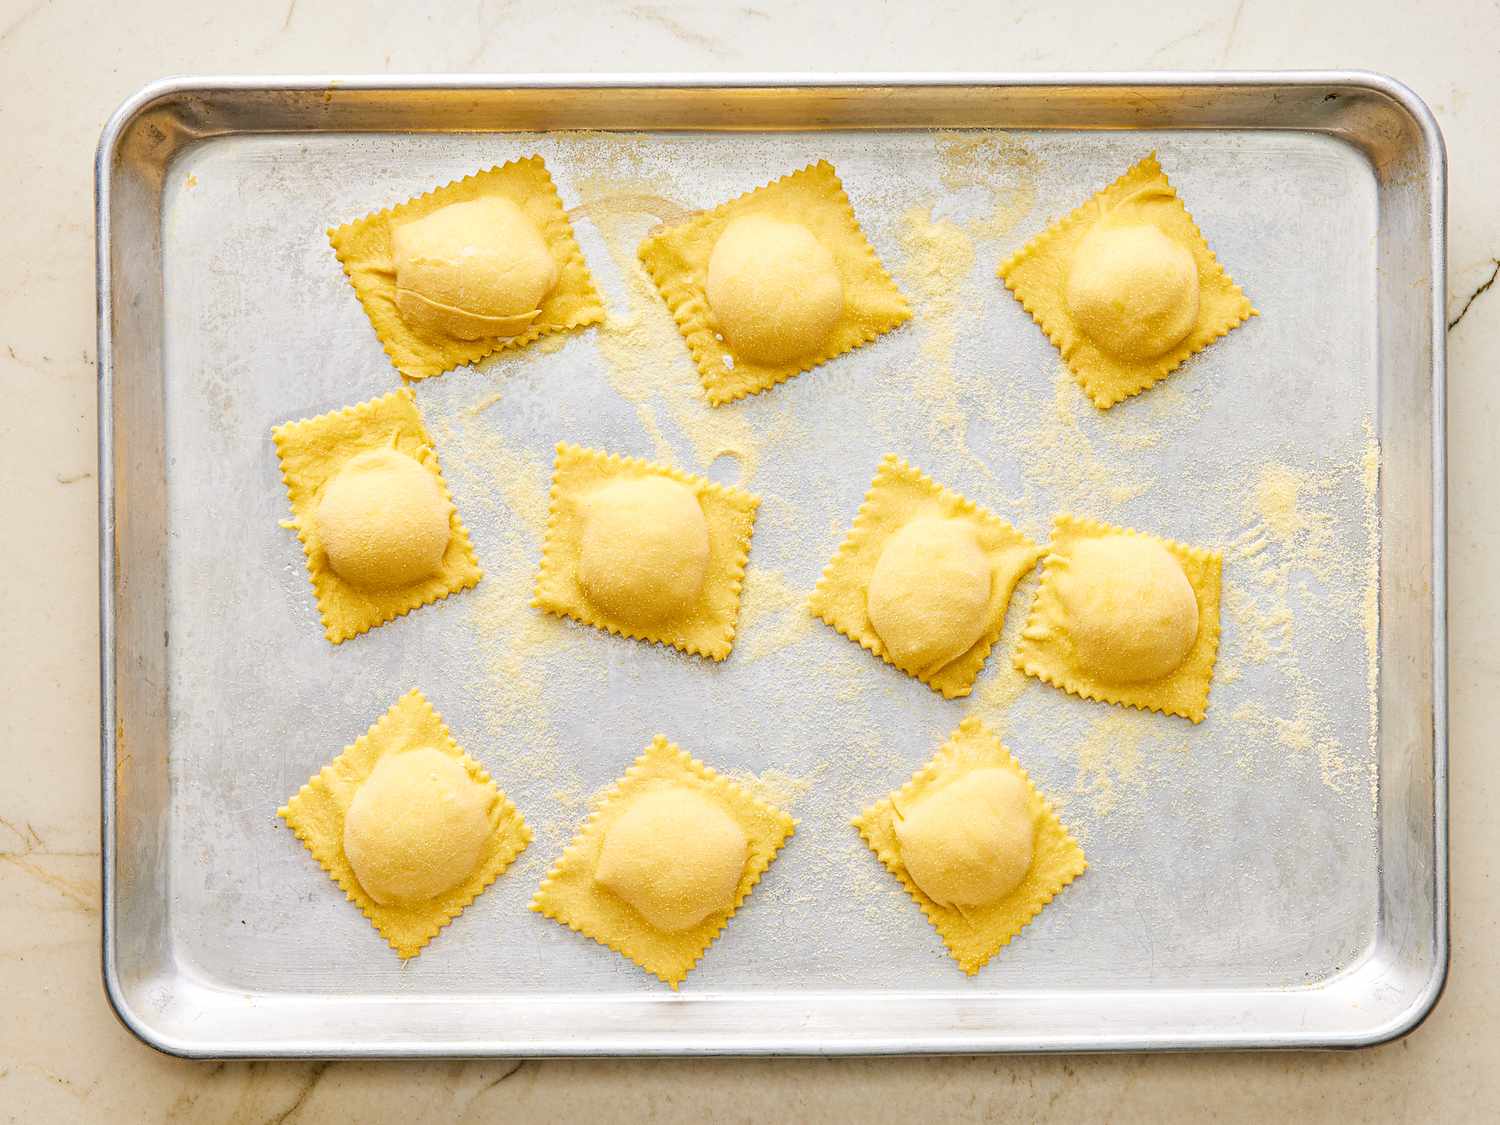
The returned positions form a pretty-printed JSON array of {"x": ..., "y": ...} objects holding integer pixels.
[{"x": 1275, "y": 876}]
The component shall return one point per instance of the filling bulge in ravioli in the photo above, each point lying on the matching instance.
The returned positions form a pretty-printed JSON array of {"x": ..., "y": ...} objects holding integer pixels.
[
  {"x": 472, "y": 270},
  {"x": 774, "y": 289},
  {"x": 384, "y": 521},
  {"x": 971, "y": 842},
  {"x": 417, "y": 827},
  {"x": 1132, "y": 290},
  {"x": 644, "y": 550},
  {"x": 929, "y": 593},
  {"x": 1129, "y": 610},
  {"x": 675, "y": 855}
]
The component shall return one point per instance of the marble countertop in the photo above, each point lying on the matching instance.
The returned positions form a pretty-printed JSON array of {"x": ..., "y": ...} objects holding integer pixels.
[{"x": 67, "y": 64}]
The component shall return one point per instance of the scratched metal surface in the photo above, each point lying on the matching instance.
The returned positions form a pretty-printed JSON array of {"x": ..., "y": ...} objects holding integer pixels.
[{"x": 1223, "y": 863}]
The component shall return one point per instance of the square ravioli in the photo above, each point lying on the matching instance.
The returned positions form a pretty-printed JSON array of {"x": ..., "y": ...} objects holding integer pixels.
[
  {"x": 407, "y": 824},
  {"x": 369, "y": 503},
  {"x": 663, "y": 862},
  {"x": 1124, "y": 617},
  {"x": 773, "y": 283},
  {"x": 645, "y": 551},
  {"x": 1126, "y": 286},
  {"x": 483, "y": 263},
  {"x": 923, "y": 578},
  {"x": 974, "y": 844}
]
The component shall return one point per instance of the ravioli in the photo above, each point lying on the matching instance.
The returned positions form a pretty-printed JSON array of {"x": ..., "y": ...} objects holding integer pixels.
[
  {"x": 773, "y": 283},
  {"x": 1125, "y": 617},
  {"x": 923, "y": 578},
  {"x": 478, "y": 265},
  {"x": 407, "y": 824},
  {"x": 974, "y": 844},
  {"x": 1126, "y": 286},
  {"x": 666, "y": 859},
  {"x": 378, "y": 528},
  {"x": 645, "y": 550}
]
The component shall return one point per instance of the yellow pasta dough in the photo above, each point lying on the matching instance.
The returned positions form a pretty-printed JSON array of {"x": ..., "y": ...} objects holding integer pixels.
[
  {"x": 1132, "y": 290},
  {"x": 773, "y": 283},
  {"x": 970, "y": 842},
  {"x": 384, "y": 520},
  {"x": 674, "y": 855},
  {"x": 1124, "y": 617},
  {"x": 408, "y": 825},
  {"x": 773, "y": 288},
  {"x": 379, "y": 530},
  {"x": 664, "y": 861},
  {"x": 1126, "y": 286},
  {"x": 923, "y": 578},
  {"x": 416, "y": 827},
  {"x": 470, "y": 270},
  {"x": 645, "y": 550},
  {"x": 974, "y": 844},
  {"x": 928, "y": 594},
  {"x": 477, "y": 265}
]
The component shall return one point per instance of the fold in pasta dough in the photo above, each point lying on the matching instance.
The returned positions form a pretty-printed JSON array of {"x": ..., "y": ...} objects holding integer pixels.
[
  {"x": 906, "y": 522},
  {"x": 418, "y": 347}
]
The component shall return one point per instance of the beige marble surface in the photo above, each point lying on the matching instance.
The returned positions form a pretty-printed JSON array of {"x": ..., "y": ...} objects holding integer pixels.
[{"x": 67, "y": 63}]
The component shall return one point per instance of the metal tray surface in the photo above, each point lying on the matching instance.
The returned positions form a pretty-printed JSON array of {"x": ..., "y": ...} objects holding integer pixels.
[{"x": 1274, "y": 877}]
